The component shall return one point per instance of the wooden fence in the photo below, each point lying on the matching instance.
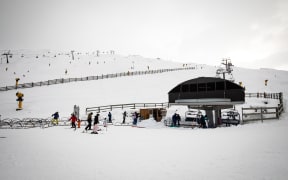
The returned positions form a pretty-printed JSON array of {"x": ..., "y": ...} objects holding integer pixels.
[
  {"x": 248, "y": 114},
  {"x": 89, "y": 78},
  {"x": 264, "y": 95},
  {"x": 263, "y": 113},
  {"x": 126, "y": 106}
]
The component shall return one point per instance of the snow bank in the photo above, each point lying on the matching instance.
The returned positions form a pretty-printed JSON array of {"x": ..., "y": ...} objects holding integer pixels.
[{"x": 151, "y": 123}]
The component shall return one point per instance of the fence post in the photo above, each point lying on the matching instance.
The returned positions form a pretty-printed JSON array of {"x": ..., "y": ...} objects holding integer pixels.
[
  {"x": 242, "y": 116},
  {"x": 261, "y": 113},
  {"x": 281, "y": 97}
]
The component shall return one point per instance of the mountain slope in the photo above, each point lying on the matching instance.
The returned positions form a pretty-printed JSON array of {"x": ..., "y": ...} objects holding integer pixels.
[{"x": 43, "y": 101}]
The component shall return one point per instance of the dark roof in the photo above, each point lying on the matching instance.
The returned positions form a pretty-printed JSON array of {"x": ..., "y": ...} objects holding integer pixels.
[{"x": 207, "y": 88}]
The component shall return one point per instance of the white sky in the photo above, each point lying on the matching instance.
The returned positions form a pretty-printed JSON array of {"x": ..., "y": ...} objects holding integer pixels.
[{"x": 253, "y": 33}]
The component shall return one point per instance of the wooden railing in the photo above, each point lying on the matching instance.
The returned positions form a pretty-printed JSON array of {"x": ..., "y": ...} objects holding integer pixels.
[
  {"x": 263, "y": 113},
  {"x": 126, "y": 106},
  {"x": 264, "y": 95},
  {"x": 248, "y": 114}
]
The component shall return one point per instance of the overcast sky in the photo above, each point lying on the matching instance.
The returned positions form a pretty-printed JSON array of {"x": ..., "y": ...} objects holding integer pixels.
[{"x": 252, "y": 33}]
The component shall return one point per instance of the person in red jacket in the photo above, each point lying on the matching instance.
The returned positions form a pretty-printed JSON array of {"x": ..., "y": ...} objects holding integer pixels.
[{"x": 73, "y": 119}]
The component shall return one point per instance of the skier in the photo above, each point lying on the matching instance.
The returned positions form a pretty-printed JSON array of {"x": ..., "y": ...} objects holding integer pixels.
[
  {"x": 124, "y": 117},
  {"x": 96, "y": 122},
  {"x": 135, "y": 118},
  {"x": 78, "y": 123},
  {"x": 202, "y": 121},
  {"x": 89, "y": 120},
  {"x": 109, "y": 117},
  {"x": 55, "y": 118},
  {"x": 178, "y": 118},
  {"x": 174, "y": 119},
  {"x": 206, "y": 122},
  {"x": 73, "y": 119}
]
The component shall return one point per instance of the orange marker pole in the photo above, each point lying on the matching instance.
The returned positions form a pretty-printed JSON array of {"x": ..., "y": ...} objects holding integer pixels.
[{"x": 78, "y": 123}]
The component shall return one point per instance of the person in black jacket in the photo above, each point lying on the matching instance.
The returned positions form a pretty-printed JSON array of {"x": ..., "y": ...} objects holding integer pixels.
[
  {"x": 178, "y": 119},
  {"x": 89, "y": 120},
  {"x": 203, "y": 122},
  {"x": 96, "y": 122},
  {"x": 174, "y": 120},
  {"x": 55, "y": 119},
  {"x": 109, "y": 117},
  {"x": 96, "y": 119},
  {"x": 124, "y": 117}
]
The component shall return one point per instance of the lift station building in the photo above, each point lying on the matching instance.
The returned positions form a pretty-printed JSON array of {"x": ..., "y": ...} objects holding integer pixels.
[{"x": 209, "y": 94}]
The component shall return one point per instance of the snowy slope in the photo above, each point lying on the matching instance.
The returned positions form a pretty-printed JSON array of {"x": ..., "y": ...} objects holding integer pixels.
[
  {"x": 145, "y": 88},
  {"x": 254, "y": 151},
  {"x": 42, "y": 101}
]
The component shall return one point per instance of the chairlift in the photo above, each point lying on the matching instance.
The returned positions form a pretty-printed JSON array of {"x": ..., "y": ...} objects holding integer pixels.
[
  {"x": 230, "y": 116},
  {"x": 193, "y": 116}
]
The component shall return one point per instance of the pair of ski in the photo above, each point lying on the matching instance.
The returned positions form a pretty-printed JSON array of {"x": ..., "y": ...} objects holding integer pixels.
[{"x": 93, "y": 132}]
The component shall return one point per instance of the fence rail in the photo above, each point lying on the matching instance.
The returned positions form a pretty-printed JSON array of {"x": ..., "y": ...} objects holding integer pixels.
[
  {"x": 126, "y": 106},
  {"x": 248, "y": 114},
  {"x": 17, "y": 123},
  {"x": 264, "y": 95},
  {"x": 263, "y": 113},
  {"x": 89, "y": 78}
]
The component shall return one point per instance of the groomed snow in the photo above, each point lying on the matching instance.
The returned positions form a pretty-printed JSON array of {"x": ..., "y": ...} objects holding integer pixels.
[{"x": 253, "y": 151}]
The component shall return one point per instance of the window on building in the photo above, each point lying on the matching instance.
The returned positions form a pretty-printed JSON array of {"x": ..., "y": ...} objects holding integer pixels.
[
  {"x": 219, "y": 85},
  {"x": 202, "y": 87},
  {"x": 193, "y": 87},
  {"x": 211, "y": 86},
  {"x": 185, "y": 88}
]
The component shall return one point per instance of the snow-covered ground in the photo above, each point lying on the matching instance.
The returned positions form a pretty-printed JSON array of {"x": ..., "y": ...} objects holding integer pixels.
[{"x": 251, "y": 151}]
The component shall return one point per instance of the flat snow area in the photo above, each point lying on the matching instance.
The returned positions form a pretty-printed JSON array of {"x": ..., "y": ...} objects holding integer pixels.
[{"x": 254, "y": 151}]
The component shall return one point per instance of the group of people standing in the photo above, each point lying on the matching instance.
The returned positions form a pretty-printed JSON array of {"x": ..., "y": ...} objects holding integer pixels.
[
  {"x": 135, "y": 117},
  {"x": 202, "y": 121},
  {"x": 176, "y": 119},
  {"x": 96, "y": 122}
]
